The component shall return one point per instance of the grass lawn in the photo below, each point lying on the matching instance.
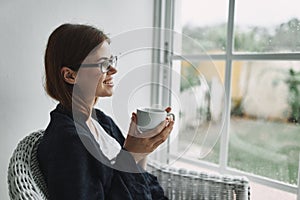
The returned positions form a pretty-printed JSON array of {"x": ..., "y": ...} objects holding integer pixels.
[{"x": 270, "y": 149}]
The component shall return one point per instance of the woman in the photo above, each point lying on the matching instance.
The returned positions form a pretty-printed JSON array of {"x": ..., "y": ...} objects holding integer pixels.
[{"x": 83, "y": 154}]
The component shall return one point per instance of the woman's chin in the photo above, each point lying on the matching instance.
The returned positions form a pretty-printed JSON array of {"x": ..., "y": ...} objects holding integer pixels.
[{"x": 105, "y": 94}]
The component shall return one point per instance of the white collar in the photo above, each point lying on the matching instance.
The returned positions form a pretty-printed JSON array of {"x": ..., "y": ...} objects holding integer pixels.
[{"x": 109, "y": 146}]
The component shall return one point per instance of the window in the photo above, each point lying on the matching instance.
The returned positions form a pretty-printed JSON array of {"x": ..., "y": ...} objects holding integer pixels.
[
  {"x": 275, "y": 26},
  {"x": 264, "y": 134},
  {"x": 252, "y": 48}
]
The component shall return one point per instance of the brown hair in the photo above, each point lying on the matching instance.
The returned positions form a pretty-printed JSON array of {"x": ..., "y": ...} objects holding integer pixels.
[{"x": 68, "y": 45}]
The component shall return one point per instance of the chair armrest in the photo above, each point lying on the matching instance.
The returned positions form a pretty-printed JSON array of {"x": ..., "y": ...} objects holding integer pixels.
[{"x": 179, "y": 183}]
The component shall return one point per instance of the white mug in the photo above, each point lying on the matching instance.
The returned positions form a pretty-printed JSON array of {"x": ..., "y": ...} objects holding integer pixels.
[{"x": 149, "y": 118}]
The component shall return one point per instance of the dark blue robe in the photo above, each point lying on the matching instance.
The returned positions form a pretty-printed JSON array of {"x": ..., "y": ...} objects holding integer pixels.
[{"x": 74, "y": 167}]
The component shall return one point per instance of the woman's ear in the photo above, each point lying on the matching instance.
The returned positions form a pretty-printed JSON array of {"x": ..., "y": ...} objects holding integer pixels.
[{"x": 68, "y": 75}]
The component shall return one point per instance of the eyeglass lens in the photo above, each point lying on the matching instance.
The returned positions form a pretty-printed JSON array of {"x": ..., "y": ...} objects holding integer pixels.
[{"x": 109, "y": 63}]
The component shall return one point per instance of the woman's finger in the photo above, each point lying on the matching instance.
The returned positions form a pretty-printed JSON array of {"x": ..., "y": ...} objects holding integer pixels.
[
  {"x": 156, "y": 130},
  {"x": 160, "y": 141},
  {"x": 133, "y": 126},
  {"x": 168, "y": 109},
  {"x": 162, "y": 136}
]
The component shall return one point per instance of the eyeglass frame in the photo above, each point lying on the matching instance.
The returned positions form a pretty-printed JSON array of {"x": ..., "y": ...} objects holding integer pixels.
[{"x": 111, "y": 61}]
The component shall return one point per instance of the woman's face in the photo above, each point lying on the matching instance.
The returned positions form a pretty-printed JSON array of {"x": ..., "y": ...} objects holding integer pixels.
[{"x": 92, "y": 78}]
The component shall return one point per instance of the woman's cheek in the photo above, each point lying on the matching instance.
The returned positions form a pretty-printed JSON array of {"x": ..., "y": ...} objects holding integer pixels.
[{"x": 89, "y": 83}]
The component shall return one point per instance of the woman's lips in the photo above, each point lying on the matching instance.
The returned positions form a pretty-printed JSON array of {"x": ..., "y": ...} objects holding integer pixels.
[{"x": 108, "y": 82}]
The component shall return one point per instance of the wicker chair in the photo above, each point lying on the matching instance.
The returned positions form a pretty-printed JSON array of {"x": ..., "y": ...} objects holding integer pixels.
[{"x": 25, "y": 180}]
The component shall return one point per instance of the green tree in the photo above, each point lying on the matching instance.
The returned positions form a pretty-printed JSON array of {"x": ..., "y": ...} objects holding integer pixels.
[
  {"x": 202, "y": 39},
  {"x": 256, "y": 39},
  {"x": 287, "y": 35},
  {"x": 284, "y": 37},
  {"x": 293, "y": 82},
  {"x": 189, "y": 77}
]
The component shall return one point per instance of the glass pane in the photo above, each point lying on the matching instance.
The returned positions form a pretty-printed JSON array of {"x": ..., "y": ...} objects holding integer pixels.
[
  {"x": 205, "y": 23},
  {"x": 265, "y": 116},
  {"x": 201, "y": 116},
  {"x": 267, "y": 26}
]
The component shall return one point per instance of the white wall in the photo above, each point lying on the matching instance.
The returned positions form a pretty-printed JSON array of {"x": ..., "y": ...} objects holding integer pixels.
[{"x": 25, "y": 28}]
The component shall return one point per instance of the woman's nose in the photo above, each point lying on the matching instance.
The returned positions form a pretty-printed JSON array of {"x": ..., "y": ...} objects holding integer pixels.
[{"x": 112, "y": 70}]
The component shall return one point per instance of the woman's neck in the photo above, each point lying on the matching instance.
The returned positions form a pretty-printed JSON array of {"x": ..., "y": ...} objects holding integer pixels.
[
  {"x": 92, "y": 127},
  {"x": 90, "y": 105},
  {"x": 90, "y": 124},
  {"x": 84, "y": 106}
]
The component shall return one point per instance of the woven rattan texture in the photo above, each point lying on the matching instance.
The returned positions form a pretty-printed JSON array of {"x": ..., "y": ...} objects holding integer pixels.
[
  {"x": 25, "y": 180},
  {"x": 182, "y": 184}
]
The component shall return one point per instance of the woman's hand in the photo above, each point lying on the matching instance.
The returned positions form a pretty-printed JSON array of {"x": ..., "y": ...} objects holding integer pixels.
[{"x": 141, "y": 144}]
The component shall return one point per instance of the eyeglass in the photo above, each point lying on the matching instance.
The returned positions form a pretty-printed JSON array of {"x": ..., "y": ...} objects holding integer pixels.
[{"x": 105, "y": 65}]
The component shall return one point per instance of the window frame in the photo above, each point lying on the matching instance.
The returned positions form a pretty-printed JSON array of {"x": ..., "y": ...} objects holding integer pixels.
[{"x": 164, "y": 18}]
